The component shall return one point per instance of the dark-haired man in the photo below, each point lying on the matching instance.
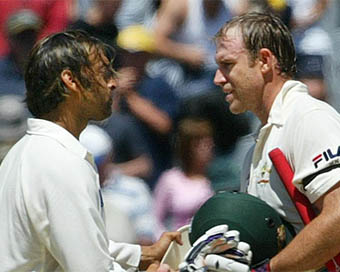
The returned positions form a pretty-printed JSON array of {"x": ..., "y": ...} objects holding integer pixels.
[{"x": 52, "y": 215}]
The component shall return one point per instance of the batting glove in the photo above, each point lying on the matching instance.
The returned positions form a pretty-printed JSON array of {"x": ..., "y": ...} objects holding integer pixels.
[{"x": 218, "y": 250}]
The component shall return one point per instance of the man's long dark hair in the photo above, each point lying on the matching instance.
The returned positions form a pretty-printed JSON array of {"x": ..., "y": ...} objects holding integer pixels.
[{"x": 60, "y": 51}]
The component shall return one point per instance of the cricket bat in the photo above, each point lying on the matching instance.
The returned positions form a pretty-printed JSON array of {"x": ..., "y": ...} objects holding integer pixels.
[{"x": 301, "y": 202}]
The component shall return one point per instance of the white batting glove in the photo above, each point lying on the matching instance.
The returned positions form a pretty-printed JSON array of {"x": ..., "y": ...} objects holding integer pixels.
[{"x": 218, "y": 250}]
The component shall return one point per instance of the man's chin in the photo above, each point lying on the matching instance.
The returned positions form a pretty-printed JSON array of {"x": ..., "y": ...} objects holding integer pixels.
[
  {"x": 108, "y": 114},
  {"x": 103, "y": 116}
]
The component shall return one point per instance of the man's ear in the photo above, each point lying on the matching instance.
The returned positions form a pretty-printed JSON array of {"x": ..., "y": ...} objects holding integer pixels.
[
  {"x": 267, "y": 60},
  {"x": 70, "y": 81}
]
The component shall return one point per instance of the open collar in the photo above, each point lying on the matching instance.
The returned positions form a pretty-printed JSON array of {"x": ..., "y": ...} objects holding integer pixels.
[{"x": 277, "y": 112}]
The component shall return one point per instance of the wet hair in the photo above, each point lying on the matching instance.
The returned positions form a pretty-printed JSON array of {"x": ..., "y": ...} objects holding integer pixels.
[
  {"x": 261, "y": 30},
  {"x": 189, "y": 130},
  {"x": 69, "y": 50}
]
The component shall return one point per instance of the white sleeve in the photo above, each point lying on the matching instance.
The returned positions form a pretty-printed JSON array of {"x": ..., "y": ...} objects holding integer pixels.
[
  {"x": 65, "y": 210},
  {"x": 315, "y": 145},
  {"x": 127, "y": 255}
]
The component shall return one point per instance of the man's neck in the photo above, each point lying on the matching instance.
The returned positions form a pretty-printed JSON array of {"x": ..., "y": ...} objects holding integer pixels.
[
  {"x": 270, "y": 93},
  {"x": 67, "y": 120}
]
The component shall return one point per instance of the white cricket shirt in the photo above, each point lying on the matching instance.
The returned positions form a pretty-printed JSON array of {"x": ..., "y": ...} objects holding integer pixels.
[
  {"x": 307, "y": 130},
  {"x": 51, "y": 215}
]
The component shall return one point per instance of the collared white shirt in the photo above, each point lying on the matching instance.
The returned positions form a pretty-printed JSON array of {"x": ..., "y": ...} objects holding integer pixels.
[
  {"x": 305, "y": 129},
  {"x": 52, "y": 215}
]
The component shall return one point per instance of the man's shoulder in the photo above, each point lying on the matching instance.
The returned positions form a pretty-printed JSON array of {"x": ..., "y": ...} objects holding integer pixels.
[
  {"x": 46, "y": 153},
  {"x": 304, "y": 106},
  {"x": 37, "y": 157}
]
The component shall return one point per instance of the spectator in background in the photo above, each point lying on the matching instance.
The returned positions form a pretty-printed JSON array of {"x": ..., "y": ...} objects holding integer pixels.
[
  {"x": 278, "y": 7},
  {"x": 127, "y": 199},
  {"x": 132, "y": 12},
  {"x": 313, "y": 44},
  {"x": 228, "y": 129},
  {"x": 130, "y": 156},
  {"x": 22, "y": 30},
  {"x": 183, "y": 32},
  {"x": 149, "y": 100},
  {"x": 79, "y": 9},
  {"x": 181, "y": 190},
  {"x": 99, "y": 20},
  {"x": 53, "y": 13},
  {"x": 13, "y": 116},
  {"x": 98, "y": 143},
  {"x": 131, "y": 196}
]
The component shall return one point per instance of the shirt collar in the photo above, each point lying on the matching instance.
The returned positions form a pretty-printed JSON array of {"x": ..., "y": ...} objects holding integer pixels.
[
  {"x": 62, "y": 136},
  {"x": 276, "y": 115}
]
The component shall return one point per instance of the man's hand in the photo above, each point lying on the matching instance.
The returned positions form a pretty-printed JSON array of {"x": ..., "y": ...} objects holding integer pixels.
[
  {"x": 155, "y": 267},
  {"x": 218, "y": 250},
  {"x": 154, "y": 253},
  {"x": 127, "y": 80}
]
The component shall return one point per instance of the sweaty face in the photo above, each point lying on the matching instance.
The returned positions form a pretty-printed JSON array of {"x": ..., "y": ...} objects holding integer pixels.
[
  {"x": 238, "y": 76},
  {"x": 100, "y": 93}
]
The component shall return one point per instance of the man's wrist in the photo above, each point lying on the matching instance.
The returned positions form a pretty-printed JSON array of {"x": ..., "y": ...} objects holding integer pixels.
[
  {"x": 264, "y": 267},
  {"x": 147, "y": 257}
]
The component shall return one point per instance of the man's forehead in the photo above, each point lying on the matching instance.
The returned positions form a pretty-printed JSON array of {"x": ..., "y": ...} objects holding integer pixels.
[
  {"x": 231, "y": 42},
  {"x": 232, "y": 38}
]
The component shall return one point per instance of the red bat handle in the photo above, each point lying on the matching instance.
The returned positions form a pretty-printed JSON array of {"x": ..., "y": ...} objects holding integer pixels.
[
  {"x": 286, "y": 174},
  {"x": 301, "y": 202}
]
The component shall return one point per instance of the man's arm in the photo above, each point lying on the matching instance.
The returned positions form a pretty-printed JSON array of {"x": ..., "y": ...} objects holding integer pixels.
[
  {"x": 318, "y": 242},
  {"x": 150, "y": 114},
  {"x": 171, "y": 15},
  {"x": 127, "y": 255},
  {"x": 141, "y": 166},
  {"x": 142, "y": 108},
  {"x": 319, "y": 10}
]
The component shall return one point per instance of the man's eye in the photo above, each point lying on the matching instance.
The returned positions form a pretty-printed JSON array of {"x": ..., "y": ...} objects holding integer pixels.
[
  {"x": 226, "y": 65},
  {"x": 109, "y": 73}
]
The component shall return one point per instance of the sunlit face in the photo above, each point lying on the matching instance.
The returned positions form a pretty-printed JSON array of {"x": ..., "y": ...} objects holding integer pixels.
[
  {"x": 100, "y": 93},
  {"x": 239, "y": 77}
]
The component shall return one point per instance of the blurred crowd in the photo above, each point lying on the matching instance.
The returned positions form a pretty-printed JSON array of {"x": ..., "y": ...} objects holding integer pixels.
[{"x": 171, "y": 141}]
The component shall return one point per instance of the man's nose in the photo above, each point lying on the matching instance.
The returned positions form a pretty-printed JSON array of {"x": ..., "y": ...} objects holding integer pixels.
[
  {"x": 219, "y": 78},
  {"x": 112, "y": 83}
]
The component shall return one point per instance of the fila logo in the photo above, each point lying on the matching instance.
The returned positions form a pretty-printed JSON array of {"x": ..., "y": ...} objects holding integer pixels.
[{"x": 326, "y": 155}]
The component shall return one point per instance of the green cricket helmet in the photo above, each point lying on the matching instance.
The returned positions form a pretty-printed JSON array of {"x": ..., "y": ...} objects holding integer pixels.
[{"x": 259, "y": 224}]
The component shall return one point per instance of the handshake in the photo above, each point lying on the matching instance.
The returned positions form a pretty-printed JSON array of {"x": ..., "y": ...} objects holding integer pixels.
[
  {"x": 219, "y": 249},
  {"x": 231, "y": 232}
]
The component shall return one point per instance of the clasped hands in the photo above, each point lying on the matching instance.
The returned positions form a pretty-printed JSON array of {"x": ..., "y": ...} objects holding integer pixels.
[{"x": 219, "y": 249}]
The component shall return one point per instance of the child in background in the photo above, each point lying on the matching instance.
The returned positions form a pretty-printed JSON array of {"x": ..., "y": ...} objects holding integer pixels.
[{"x": 181, "y": 190}]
